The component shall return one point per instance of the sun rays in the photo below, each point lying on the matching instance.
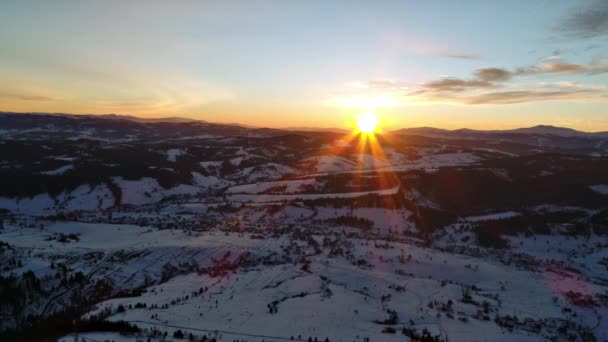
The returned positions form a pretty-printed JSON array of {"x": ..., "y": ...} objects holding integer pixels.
[{"x": 372, "y": 171}]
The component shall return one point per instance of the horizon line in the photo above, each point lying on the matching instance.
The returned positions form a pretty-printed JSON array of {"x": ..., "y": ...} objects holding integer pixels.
[{"x": 295, "y": 128}]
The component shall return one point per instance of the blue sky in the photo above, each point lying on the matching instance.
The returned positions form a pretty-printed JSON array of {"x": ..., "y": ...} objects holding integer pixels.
[{"x": 311, "y": 63}]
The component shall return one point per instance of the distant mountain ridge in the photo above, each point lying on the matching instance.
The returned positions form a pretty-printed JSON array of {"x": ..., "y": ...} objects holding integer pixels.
[
  {"x": 541, "y": 130},
  {"x": 547, "y": 130},
  {"x": 117, "y": 127},
  {"x": 317, "y": 129},
  {"x": 174, "y": 119}
]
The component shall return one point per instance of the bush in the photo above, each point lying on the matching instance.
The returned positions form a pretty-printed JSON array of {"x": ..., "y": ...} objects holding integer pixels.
[
  {"x": 389, "y": 330},
  {"x": 488, "y": 238}
]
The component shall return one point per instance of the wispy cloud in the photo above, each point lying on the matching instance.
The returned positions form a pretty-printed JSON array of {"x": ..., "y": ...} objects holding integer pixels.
[
  {"x": 115, "y": 87},
  {"x": 494, "y": 85},
  {"x": 428, "y": 47},
  {"x": 13, "y": 90},
  {"x": 452, "y": 84},
  {"x": 26, "y": 97},
  {"x": 556, "y": 65},
  {"x": 509, "y": 97},
  {"x": 387, "y": 84},
  {"x": 492, "y": 74},
  {"x": 457, "y": 54},
  {"x": 495, "y": 77},
  {"x": 586, "y": 21},
  {"x": 483, "y": 79}
]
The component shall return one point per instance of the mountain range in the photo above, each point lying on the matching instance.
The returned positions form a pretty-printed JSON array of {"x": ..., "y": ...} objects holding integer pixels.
[{"x": 544, "y": 130}]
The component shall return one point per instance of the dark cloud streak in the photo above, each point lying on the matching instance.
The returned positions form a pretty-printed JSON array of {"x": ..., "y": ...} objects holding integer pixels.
[
  {"x": 24, "y": 97},
  {"x": 510, "y": 97},
  {"x": 586, "y": 21},
  {"x": 478, "y": 89},
  {"x": 493, "y": 74},
  {"x": 457, "y": 84},
  {"x": 495, "y": 77},
  {"x": 597, "y": 66},
  {"x": 458, "y": 55}
]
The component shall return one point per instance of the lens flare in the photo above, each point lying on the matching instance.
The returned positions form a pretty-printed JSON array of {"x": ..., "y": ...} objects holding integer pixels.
[{"x": 367, "y": 123}]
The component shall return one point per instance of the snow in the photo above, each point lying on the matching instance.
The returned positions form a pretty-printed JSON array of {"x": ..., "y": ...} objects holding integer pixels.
[
  {"x": 35, "y": 205},
  {"x": 209, "y": 182},
  {"x": 295, "y": 197},
  {"x": 384, "y": 220},
  {"x": 200, "y": 136},
  {"x": 332, "y": 164},
  {"x": 99, "y": 197},
  {"x": 345, "y": 302},
  {"x": 494, "y": 216},
  {"x": 368, "y": 161},
  {"x": 339, "y": 288},
  {"x": 58, "y": 171},
  {"x": 492, "y": 150},
  {"x": 99, "y": 336},
  {"x": 173, "y": 153},
  {"x": 293, "y": 186},
  {"x": 395, "y": 157},
  {"x": 64, "y": 158},
  {"x": 147, "y": 190},
  {"x": 600, "y": 188},
  {"x": 436, "y": 161},
  {"x": 333, "y": 298},
  {"x": 82, "y": 198},
  {"x": 207, "y": 164},
  {"x": 86, "y": 198},
  {"x": 237, "y": 161},
  {"x": 327, "y": 165},
  {"x": 264, "y": 171}
]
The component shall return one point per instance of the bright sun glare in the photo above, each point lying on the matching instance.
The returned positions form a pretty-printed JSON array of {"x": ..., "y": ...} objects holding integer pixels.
[{"x": 367, "y": 123}]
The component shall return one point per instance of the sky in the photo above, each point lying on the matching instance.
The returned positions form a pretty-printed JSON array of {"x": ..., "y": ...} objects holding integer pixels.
[{"x": 448, "y": 64}]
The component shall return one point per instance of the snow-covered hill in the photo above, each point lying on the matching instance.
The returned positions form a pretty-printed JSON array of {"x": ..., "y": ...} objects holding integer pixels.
[{"x": 121, "y": 229}]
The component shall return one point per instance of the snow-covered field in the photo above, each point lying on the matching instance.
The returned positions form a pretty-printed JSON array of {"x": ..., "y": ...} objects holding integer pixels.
[
  {"x": 292, "y": 186},
  {"x": 82, "y": 198},
  {"x": 494, "y": 216},
  {"x": 287, "y": 198},
  {"x": 326, "y": 165},
  {"x": 324, "y": 295},
  {"x": 298, "y": 237}
]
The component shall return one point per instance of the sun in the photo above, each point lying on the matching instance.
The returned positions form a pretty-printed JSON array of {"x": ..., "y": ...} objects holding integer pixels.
[{"x": 367, "y": 123}]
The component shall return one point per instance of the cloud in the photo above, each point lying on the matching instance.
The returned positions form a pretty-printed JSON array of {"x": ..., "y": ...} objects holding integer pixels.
[
  {"x": 496, "y": 77},
  {"x": 387, "y": 84},
  {"x": 28, "y": 97},
  {"x": 556, "y": 65},
  {"x": 457, "y": 54},
  {"x": 550, "y": 68},
  {"x": 102, "y": 83},
  {"x": 587, "y": 21},
  {"x": 558, "y": 91},
  {"x": 561, "y": 84},
  {"x": 492, "y": 74},
  {"x": 20, "y": 93},
  {"x": 452, "y": 84},
  {"x": 482, "y": 88},
  {"x": 427, "y": 47},
  {"x": 484, "y": 78},
  {"x": 493, "y": 85},
  {"x": 509, "y": 97}
]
